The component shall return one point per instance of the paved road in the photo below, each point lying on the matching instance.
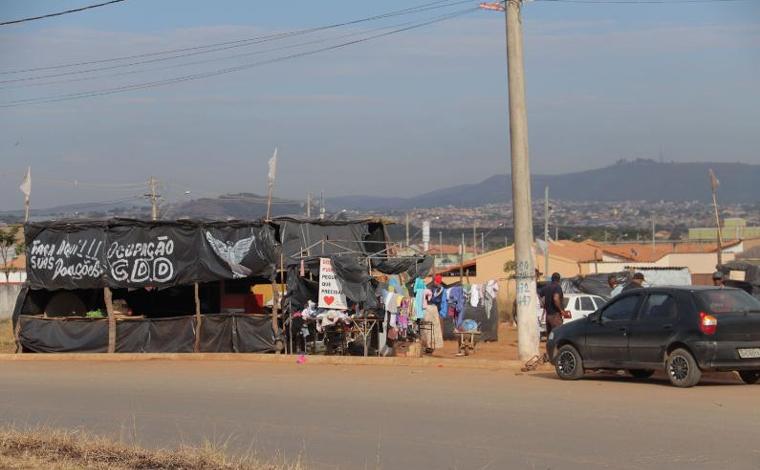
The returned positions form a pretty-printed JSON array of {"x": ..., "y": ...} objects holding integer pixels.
[{"x": 351, "y": 417}]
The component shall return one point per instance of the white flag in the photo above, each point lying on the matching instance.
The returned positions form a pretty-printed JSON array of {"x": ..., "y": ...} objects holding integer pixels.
[
  {"x": 26, "y": 186},
  {"x": 272, "y": 169}
]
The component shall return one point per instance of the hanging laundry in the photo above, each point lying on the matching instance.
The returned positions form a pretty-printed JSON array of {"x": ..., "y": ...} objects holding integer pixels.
[
  {"x": 457, "y": 302},
  {"x": 474, "y": 295},
  {"x": 419, "y": 299},
  {"x": 490, "y": 292}
]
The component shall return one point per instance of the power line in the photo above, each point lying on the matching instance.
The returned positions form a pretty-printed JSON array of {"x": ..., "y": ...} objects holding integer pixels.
[
  {"x": 60, "y": 13},
  {"x": 204, "y": 61},
  {"x": 215, "y": 47},
  {"x": 202, "y": 75},
  {"x": 635, "y": 2}
]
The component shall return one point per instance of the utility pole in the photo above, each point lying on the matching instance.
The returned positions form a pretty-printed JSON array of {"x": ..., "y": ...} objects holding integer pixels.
[
  {"x": 482, "y": 242},
  {"x": 525, "y": 275},
  {"x": 461, "y": 260},
  {"x": 440, "y": 244},
  {"x": 153, "y": 196},
  {"x": 714, "y": 183},
  {"x": 654, "y": 233},
  {"x": 321, "y": 205},
  {"x": 475, "y": 238},
  {"x": 407, "y": 230},
  {"x": 546, "y": 232},
  {"x": 556, "y": 232}
]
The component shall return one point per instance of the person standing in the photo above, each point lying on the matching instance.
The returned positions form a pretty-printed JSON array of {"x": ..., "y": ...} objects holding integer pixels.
[
  {"x": 552, "y": 299},
  {"x": 636, "y": 283},
  {"x": 615, "y": 287},
  {"x": 717, "y": 279}
]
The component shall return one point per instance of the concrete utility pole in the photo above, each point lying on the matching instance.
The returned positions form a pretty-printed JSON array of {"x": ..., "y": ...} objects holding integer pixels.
[
  {"x": 525, "y": 275},
  {"x": 475, "y": 238},
  {"x": 153, "y": 196},
  {"x": 308, "y": 205},
  {"x": 714, "y": 183},
  {"x": 482, "y": 242},
  {"x": 407, "y": 230},
  {"x": 546, "y": 232},
  {"x": 461, "y": 260},
  {"x": 321, "y": 204},
  {"x": 440, "y": 244},
  {"x": 654, "y": 234}
]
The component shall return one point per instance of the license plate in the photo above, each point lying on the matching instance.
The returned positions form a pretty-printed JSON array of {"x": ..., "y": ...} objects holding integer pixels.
[{"x": 749, "y": 353}]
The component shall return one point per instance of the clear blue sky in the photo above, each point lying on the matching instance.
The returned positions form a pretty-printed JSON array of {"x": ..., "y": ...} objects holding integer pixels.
[{"x": 395, "y": 116}]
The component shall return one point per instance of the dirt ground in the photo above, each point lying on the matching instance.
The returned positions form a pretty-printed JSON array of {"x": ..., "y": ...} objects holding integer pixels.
[{"x": 503, "y": 350}]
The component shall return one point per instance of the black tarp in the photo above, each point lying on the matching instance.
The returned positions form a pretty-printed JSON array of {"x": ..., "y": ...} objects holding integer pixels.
[
  {"x": 414, "y": 266},
  {"x": 46, "y": 335},
  {"x": 156, "y": 335},
  {"x": 594, "y": 284},
  {"x": 488, "y": 324},
  {"x": 124, "y": 253},
  {"x": 301, "y": 238},
  {"x": 237, "y": 333}
]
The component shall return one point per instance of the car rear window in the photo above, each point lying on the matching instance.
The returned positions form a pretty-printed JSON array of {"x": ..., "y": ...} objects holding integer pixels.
[{"x": 728, "y": 301}]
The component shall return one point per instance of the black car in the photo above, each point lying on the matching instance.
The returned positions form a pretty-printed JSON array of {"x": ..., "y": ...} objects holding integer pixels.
[{"x": 683, "y": 330}]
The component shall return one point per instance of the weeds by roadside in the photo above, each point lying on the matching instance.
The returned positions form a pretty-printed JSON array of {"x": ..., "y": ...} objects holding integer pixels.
[{"x": 73, "y": 450}]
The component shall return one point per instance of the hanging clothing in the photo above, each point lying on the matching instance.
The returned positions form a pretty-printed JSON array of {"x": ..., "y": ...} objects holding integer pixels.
[
  {"x": 489, "y": 296},
  {"x": 441, "y": 300},
  {"x": 475, "y": 295},
  {"x": 456, "y": 303},
  {"x": 419, "y": 299},
  {"x": 434, "y": 339}
]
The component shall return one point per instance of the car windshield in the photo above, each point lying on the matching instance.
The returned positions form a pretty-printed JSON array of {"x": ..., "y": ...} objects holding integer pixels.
[{"x": 728, "y": 301}]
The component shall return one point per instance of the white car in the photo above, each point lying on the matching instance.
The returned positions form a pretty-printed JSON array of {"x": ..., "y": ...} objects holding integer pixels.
[
  {"x": 579, "y": 306},
  {"x": 582, "y": 305}
]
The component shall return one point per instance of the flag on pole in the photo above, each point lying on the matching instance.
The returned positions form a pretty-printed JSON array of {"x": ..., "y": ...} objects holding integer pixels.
[
  {"x": 714, "y": 182},
  {"x": 272, "y": 169},
  {"x": 26, "y": 185}
]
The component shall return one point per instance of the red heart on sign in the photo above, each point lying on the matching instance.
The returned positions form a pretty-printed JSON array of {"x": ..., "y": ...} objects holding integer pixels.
[{"x": 329, "y": 299}]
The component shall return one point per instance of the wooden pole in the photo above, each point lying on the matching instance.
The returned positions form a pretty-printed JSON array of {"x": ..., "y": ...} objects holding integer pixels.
[
  {"x": 714, "y": 186},
  {"x": 108, "y": 298},
  {"x": 198, "y": 319}
]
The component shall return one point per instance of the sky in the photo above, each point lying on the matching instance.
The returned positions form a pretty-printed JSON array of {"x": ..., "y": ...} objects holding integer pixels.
[{"x": 398, "y": 115}]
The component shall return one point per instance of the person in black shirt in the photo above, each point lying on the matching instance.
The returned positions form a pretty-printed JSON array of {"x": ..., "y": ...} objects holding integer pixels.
[{"x": 551, "y": 299}]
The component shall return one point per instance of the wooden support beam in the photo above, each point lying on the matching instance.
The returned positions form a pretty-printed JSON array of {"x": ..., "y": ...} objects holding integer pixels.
[
  {"x": 198, "y": 320},
  {"x": 108, "y": 298}
]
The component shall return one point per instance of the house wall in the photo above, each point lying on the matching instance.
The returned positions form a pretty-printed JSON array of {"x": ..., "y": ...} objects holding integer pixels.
[{"x": 8, "y": 295}]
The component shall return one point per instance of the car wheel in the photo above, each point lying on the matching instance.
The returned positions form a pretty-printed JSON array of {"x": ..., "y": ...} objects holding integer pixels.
[
  {"x": 749, "y": 377},
  {"x": 682, "y": 369},
  {"x": 568, "y": 363},
  {"x": 641, "y": 373}
]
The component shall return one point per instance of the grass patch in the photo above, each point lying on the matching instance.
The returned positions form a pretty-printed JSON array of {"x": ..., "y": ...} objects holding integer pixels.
[
  {"x": 7, "y": 342},
  {"x": 73, "y": 450}
]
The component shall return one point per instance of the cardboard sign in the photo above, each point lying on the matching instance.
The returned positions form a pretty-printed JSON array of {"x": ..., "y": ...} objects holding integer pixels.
[{"x": 330, "y": 291}]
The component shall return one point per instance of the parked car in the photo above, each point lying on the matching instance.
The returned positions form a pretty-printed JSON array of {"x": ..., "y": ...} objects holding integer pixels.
[
  {"x": 582, "y": 305},
  {"x": 681, "y": 330}
]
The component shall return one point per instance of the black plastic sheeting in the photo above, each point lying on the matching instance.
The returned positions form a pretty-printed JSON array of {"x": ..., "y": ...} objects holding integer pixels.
[
  {"x": 417, "y": 266},
  {"x": 219, "y": 333},
  {"x": 237, "y": 333},
  {"x": 315, "y": 238},
  {"x": 594, "y": 284},
  {"x": 125, "y": 253},
  {"x": 156, "y": 335},
  {"x": 488, "y": 324},
  {"x": 77, "y": 335}
]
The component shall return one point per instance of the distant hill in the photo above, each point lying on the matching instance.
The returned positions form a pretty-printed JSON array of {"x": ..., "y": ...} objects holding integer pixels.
[
  {"x": 627, "y": 180},
  {"x": 243, "y": 206}
]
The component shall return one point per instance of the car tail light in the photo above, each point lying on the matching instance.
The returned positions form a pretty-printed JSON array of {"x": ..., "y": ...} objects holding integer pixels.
[{"x": 707, "y": 323}]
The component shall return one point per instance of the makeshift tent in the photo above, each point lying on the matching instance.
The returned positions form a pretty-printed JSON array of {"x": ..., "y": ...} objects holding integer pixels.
[
  {"x": 163, "y": 269},
  {"x": 743, "y": 275}
]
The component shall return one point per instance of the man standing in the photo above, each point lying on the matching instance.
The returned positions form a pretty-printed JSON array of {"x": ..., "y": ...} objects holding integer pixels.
[
  {"x": 636, "y": 283},
  {"x": 551, "y": 298},
  {"x": 717, "y": 279},
  {"x": 615, "y": 287}
]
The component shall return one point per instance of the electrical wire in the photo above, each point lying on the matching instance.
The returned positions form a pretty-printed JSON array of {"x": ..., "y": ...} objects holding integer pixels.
[
  {"x": 215, "y": 47},
  {"x": 60, "y": 13},
  {"x": 206, "y": 61},
  {"x": 643, "y": 2},
  {"x": 202, "y": 75}
]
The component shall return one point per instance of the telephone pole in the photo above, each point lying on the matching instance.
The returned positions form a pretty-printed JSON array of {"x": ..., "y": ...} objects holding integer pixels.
[
  {"x": 475, "y": 238},
  {"x": 546, "y": 232},
  {"x": 321, "y": 204},
  {"x": 525, "y": 275},
  {"x": 407, "y": 230},
  {"x": 308, "y": 206},
  {"x": 153, "y": 196}
]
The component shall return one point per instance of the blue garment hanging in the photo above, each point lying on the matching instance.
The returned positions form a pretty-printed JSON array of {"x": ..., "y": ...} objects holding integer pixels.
[{"x": 419, "y": 298}]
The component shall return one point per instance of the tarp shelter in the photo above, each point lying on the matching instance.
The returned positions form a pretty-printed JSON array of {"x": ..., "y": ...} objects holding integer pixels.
[
  {"x": 743, "y": 275},
  {"x": 166, "y": 268},
  {"x": 597, "y": 284}
]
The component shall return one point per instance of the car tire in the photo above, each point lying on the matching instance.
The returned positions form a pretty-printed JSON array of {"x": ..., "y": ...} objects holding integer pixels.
[
  {"x": 641, "y": 373},
  {"x": 568, "y": 363},
  {"x": 749, "y": 377},
  {"x": 682, "y": 369}
]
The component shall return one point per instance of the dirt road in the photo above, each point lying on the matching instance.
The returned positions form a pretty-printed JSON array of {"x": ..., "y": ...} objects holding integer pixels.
[{"x": 395, "y": 417}]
